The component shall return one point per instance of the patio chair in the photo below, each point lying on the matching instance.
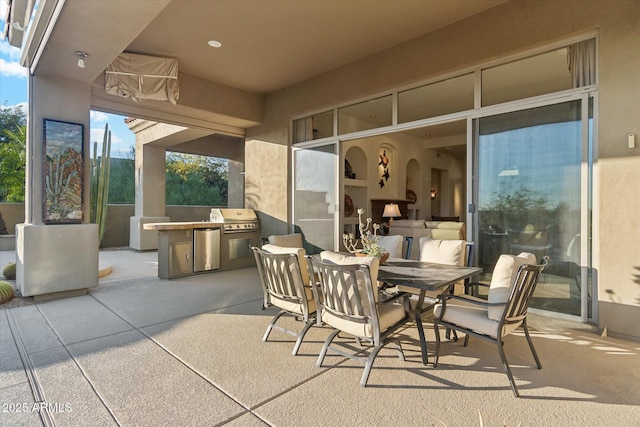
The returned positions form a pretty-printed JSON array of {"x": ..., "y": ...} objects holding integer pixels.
[
  {"x": 398, "y": 246},
  {"x": 293, "y": 240},
  {"x": 493, "y": 319},
  {"x": 286, "y": 284},
  {"x": 450, "y": 252},
  {"x": 350, "y": 305}
]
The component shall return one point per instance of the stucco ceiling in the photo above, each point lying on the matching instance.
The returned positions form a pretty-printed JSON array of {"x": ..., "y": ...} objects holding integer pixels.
[
  {"x": 266, "y": 45},
  {"x": 269, "y": 45}
]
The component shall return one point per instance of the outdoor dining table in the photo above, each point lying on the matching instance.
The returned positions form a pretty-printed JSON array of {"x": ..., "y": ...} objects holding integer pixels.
[{"x": 423, "y": 276}]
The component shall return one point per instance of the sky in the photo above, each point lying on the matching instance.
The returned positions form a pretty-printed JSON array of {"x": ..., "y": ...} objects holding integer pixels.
[{"x": 13, "y": 92}]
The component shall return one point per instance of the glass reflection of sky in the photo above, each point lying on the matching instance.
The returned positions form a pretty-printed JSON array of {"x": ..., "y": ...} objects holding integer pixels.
[
  {"x": 543, "y": 158},
  {"x": 315, "y": 171}
]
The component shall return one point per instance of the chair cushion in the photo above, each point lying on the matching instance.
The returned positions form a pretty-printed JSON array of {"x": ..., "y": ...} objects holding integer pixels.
[
  {"x": 302, "y": 260},
  {"x": 392, "y": 244},
  {"x": 450, "y": 252},
  {"x": 472, "y": 316},
  {"x": 503, "y": 277},
  {"x": 388, "y": 315},
  {"x": 288, "y": 240},
  {"x": 371, "y": 262}
]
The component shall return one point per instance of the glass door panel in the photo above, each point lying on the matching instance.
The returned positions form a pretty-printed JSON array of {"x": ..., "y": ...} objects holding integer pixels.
[
  {"x": 530, "y": 196},
  {"x": 314, "y": 196}
]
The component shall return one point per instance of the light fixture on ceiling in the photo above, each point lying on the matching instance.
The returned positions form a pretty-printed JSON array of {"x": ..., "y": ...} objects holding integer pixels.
[
  {"x": 82, "y": 56},
  {"x": 214, "y": 43}
]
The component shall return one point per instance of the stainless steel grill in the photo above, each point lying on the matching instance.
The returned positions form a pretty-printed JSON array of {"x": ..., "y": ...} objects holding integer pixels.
[
  {"x": 240, "y": 231},
  {"x": 235, "y": 220}
]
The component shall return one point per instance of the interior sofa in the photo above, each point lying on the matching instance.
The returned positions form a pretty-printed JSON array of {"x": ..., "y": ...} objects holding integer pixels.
[{"x": 417, "y": 228}]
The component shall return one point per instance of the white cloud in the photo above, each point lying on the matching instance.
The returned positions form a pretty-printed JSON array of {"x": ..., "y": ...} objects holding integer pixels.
[
  {"x": 12, "y": 69},
  {"x": 98, "y": 117},
  {"x": 24, "y": 106},
  {"x": 3, "y": 9},
  {"x": 97, "y": 135},
  {"x": 10, "y": 51}
]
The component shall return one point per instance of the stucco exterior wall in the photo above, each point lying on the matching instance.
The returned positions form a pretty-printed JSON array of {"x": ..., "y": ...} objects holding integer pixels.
[
  {"x": 64, "y": 100},
  {"x": 507, "y": 29}
]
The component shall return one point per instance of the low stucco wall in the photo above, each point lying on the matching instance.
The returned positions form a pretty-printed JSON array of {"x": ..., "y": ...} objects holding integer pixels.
[
  {"x": 13, "y": 213},
  {"x": 117, "y": 229}
]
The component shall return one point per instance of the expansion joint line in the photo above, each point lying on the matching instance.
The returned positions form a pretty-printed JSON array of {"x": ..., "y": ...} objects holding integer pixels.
[{"x": 36, "y": 389}]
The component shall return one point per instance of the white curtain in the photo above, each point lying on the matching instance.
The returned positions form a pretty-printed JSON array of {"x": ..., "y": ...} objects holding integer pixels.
[
  {"x": 142, "y": 77},
  {"x": 303, "y": 130},
  {"x": 581, "y": 58}
]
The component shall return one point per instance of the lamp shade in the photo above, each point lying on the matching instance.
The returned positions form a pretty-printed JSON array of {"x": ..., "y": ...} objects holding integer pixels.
[{"x": 391, "y": 210}]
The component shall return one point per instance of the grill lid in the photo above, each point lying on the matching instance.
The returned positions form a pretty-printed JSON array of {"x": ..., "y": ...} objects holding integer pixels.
[{"x": 233, "y": 216}]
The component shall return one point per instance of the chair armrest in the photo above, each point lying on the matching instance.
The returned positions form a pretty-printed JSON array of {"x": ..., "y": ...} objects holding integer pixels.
[
  {"x": 474, "y": 285},
  {"x": 477, "y": 285},
  {"x": 444, "y": 297}
]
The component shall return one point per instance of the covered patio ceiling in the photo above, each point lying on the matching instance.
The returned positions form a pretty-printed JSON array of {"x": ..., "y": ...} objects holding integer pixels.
[{"x": 266, "y": 45}]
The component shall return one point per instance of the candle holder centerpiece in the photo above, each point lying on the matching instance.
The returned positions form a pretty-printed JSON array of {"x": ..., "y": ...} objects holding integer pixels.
[{"x": 367, "y": 244}]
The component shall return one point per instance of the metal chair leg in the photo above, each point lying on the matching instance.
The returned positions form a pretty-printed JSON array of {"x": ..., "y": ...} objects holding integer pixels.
[
  {"x": 437, "y": 355},
  {"x": 271, "y": 325},
  {"x": 369, "y": 365},
  {"x": 399, "y": 349},
  {"x": 301, "y": 336},
  {"x": 505, "y": 364},
  {"x": 533, "y": 350},
  {"x": 325, "y": 347}
]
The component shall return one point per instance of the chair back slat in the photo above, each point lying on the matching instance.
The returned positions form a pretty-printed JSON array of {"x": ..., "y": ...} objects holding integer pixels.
[
  {"x": 281, "y": 275},
  {"x": 522, "y": 292},
  {"x": 341, "y": 294}
]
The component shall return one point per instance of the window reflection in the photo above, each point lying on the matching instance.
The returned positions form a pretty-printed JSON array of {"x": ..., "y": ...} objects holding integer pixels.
[
  {"x": 436, "y": 99},
  {"x": 529, "y": 196},
  {"x": 366, "y": 115}
]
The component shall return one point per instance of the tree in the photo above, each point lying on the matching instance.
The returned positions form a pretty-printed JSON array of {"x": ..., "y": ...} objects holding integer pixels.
[
  {"x": 516, "y": 209},
  {"x": 13, "y": 142},
  {"x": 11, "y": 118},
  {"x": 122, "y": 181},
  {"x": 196, "y": 180}
]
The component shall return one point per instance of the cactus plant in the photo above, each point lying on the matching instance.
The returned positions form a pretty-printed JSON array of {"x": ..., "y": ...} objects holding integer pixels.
[
  {"x": 56, "y": 184},
  {"x": 6, "y": 292},
  {"x": 100, "y": 168},
  {"x": 9, "y": 272},
  {"x": 3, "y": 226}
]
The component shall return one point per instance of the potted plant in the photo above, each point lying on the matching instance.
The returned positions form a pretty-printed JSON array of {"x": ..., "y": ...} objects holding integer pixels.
[{"x": 368, "y": 244}]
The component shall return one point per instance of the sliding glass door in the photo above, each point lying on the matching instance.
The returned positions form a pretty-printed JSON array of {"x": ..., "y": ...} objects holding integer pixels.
[
  {"x": 532, "y": 195},
  {"x": 314, "y": 196}
]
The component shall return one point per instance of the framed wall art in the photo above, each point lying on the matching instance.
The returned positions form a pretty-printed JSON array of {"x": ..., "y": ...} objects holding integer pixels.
[{"x": 63, "y": 172}]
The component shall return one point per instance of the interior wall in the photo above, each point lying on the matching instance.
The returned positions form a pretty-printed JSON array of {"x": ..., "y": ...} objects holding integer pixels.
[{"x": 504, "y": 30}]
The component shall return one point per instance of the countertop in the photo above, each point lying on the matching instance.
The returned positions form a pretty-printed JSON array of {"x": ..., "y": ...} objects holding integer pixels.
[{"x": 166, "y": 226}]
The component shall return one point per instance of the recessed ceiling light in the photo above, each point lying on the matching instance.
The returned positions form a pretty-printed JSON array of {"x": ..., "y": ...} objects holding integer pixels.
[{"x": 214, "y": 43}]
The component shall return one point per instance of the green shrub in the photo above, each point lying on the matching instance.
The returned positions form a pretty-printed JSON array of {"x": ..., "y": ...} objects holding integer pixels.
[
  {"x": 6, "y": 292},
  {"x": 9, "y": 272}
]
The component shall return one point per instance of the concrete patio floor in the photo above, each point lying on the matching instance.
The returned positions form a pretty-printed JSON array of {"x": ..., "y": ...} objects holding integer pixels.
[{"x": 140, "y": 351}]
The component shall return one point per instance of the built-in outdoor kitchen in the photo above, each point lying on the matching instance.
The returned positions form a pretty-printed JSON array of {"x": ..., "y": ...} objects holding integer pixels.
[{"x": 222, "y": 243}]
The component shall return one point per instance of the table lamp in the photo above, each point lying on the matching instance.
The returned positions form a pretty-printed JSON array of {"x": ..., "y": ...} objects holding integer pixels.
[{"x": 391, "y": 211}]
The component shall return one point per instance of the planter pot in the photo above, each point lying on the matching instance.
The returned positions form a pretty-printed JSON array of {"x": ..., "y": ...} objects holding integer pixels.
[{"x": 383, "y": 258}]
